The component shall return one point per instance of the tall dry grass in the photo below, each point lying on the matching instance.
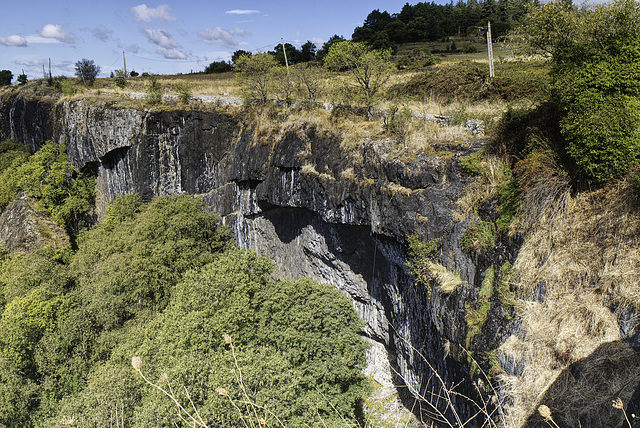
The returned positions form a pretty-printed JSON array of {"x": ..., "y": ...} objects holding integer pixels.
[{"x": 577, "y": 271}]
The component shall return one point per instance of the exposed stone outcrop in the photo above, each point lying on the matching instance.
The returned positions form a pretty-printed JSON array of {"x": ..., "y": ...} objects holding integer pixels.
[
  {"x": 24, "y": 229},
  {"x": 318, "y": 211}
]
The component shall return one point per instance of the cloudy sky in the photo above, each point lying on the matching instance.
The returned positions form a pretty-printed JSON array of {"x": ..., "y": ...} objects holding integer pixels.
[{"x": 166, "y": 37}]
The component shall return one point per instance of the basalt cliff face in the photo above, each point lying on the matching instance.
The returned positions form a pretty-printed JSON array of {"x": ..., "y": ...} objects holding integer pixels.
[
  {"x": 338, "y": 216},
  {"x": 296, "y": 197}
]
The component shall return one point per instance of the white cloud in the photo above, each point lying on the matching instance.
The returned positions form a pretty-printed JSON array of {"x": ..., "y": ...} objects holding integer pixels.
[
  {"x": 171, "y": 53},
  {"x": 167, "y": 45},
  {"x": 30, "y": 62},
  {"x": 133, "y": 48},
  {"x": 241, "y": 11},
  {"x": 144, "y": 13},
  {"x": 220, "y": 36},
  {"x": 35, "y": 65},
  {"x": 317, "y": 41},
  {"x": 53, "y": 33},
  {"x": 13, "y": 40},
  {"x": 160, "y": 37},
  {"x": 101, "y": 33}
]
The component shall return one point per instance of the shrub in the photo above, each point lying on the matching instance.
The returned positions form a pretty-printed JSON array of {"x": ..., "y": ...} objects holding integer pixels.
[
  {"x": 603, "y": 134},
  {"x": 120, "y": 79},
  {"x": 184, "y": 91},
  {"x": 154, "y": 90}
]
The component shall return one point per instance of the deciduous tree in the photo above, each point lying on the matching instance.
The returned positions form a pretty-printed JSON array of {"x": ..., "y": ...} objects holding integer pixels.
[
  {"x": 87, "y": 70},
  {"x": 369, "y": 70},
  {"x": 254, "y": 74}
]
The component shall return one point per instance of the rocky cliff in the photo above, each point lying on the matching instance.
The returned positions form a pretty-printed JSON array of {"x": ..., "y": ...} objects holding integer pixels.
[{"x": 294, "y": 194}]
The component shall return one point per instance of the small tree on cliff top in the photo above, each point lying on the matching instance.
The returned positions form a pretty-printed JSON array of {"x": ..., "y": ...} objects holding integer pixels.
[
  {"x": 87, "y": 70},
  {"x": 253, "y": 73},
  {"x": 369, "y": 70}
]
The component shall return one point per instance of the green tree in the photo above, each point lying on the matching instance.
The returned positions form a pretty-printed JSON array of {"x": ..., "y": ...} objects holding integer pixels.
[
  {"x": 60, "y": 189},
  {"x": 596, "y": 74},
  {"x": 239, "y": 53},
  {"x": 87, "y": 70},
  {"x": 139, "y": 259},
  {"x": 308, "y": 81},
  {"x": 22, "y": 79},
  {"x": 218, "y": 67},
  {"x": 254, "y": 74},
  {"x": 307, "y": 52},
  {"x": 296, "y": 342},
  {"x": 5, "y": 77},
  {"x": 324, "y": 50},
  {"x": 369, "y": 70}
]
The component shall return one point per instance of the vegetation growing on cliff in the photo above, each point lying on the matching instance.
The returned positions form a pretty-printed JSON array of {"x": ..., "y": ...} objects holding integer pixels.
[
  {"x": 594, "y": 53},
  {"x": 164, "y": 283},
  {"x": 64, "y": 193}
]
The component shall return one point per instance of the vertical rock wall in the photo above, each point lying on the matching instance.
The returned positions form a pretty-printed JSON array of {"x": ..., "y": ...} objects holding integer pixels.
[{"x": 289, "y": 198}]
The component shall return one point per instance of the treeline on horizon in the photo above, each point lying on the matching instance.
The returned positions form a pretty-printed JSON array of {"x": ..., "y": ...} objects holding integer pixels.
[{"x": 422, "y": 22}]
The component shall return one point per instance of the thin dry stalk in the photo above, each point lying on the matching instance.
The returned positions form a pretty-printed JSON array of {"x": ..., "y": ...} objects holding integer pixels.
[
  {"x": 195, "y": 420},
  {"x": 444, "y": 395}
]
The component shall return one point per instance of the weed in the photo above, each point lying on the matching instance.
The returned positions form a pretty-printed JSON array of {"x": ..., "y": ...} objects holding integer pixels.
[
  {"x": 479, "y": 236},
  {"x": 419, "y": 257},
  {"x": 154, "y": 91},
  {"x": 184, "y": 91},
  {"x": 397, "y": 121}
]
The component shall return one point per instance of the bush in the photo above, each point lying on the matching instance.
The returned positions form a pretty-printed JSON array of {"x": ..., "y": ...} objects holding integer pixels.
[
  {"x": 154, "y": 90},
  {"x": 5, "y": 77},
  {"x": 184, "y": 91},
  {"x": 63, "y": 192},
  {"x": 603, "y": 134},
  {"x": 120, "y": 78}
]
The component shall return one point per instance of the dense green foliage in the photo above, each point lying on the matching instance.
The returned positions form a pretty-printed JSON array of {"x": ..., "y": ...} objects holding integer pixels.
[
  {"x": 5, "y": 77},
  {"x": 163, "y": 282},
  {"x": 63, "y": 192},
  {"x": 430, "y": 21},
  {"x": 596, "y": 72},
  {"x": 218, "y": 67}
]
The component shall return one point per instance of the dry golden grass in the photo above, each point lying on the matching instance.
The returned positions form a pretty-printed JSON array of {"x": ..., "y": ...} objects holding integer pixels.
[
  {"x": 593, "y": 244},
  {"x": 574, "y": 329},
  {"x": 583, "y": 251},
  {"x": 484, "y": 187},
  {"x": 447, "y": 280}
]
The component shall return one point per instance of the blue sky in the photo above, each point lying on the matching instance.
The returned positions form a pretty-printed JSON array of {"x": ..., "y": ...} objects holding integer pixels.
[{"x": 166, "y": 37}]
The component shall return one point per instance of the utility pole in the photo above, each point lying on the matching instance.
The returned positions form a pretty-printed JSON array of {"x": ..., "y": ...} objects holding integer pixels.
[
  {"x": 285, "y": 55},
  {"x": 124, "y": 63},
  {"x": 490, "y": 49}
]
